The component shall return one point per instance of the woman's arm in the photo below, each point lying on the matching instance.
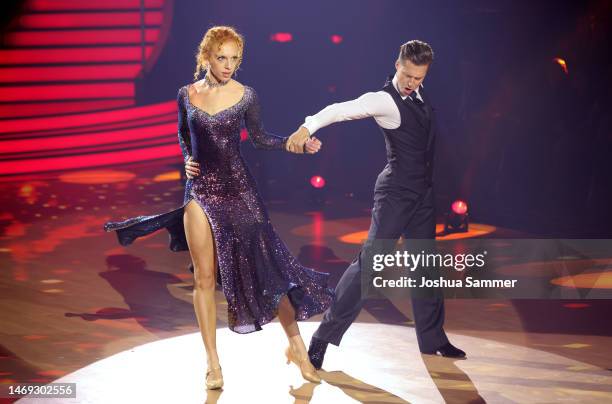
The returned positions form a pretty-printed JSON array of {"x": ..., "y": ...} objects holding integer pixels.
[
  {"x": 260, "y": 138},
  {"x": 184, "y": 137},
  {"x": 192, "y": 168}
]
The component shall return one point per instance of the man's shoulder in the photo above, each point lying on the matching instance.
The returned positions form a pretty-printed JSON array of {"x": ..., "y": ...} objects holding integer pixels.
[
  {"x": 377, "y": 96},
  {"x": 378, "y": 102}
]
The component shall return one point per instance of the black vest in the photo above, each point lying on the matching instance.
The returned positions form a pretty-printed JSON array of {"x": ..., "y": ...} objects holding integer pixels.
[{"x": 410, "y": 147}]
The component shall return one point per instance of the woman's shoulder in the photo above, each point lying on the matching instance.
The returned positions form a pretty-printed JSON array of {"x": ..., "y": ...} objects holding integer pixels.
[
  {"x": 249, "y": 92},
  {"x": 191, "y": 87},
  {"x": 183, "y": 90},
  {"x": 188, "y": 87},
  {"x": 179, "y": 95},
  {"x": 249, "y": 96},
  {"x": 240, "y": 86}
]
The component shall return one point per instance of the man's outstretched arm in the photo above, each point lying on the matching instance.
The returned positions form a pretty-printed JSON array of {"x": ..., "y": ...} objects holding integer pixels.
[{"x": 378, "y": 105}]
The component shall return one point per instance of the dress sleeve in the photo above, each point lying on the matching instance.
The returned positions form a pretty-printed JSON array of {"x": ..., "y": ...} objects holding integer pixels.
[
  {"x": 184, "y": 137},
  {"x": 260, "y": 138}
]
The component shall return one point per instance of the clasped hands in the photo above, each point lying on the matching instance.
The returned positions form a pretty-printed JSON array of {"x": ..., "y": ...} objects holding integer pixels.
[{"x": 301, "y": 142}]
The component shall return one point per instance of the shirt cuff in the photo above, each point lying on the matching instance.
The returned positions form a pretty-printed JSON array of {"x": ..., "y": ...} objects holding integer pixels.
[{"x": 310, "y": 124}]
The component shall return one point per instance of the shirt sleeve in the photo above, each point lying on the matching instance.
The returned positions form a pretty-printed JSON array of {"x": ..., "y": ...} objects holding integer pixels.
[
  {"x": 184, "y": 136},
  {"x": 260, "y": 138},
  {"x": 378, "y": 105}
]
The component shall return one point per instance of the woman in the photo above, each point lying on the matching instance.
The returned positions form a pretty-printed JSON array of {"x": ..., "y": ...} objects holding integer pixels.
[{"x": 223, "y": 221}]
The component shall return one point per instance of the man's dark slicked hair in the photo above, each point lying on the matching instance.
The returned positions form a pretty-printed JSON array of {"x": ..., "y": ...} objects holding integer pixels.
[{"x": 418, "y": 52}]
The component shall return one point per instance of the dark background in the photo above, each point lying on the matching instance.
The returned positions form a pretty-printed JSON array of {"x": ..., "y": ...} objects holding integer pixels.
[{"x": 526, "y": 145}]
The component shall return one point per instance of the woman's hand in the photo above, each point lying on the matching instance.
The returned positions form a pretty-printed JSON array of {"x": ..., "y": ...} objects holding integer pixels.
[
  {"x": 312, "y": 145},
  {"x": 297, "y": 140},
  {"x": 192, "y": 169}
]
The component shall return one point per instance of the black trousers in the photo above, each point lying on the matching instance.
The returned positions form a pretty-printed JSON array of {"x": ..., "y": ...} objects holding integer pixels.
[{"x": 394, "y": 214}]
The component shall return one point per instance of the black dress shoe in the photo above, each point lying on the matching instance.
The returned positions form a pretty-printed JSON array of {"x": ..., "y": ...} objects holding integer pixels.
[
  {"x": 316, "y": 352},
  {"x": 448, "y": 350}
]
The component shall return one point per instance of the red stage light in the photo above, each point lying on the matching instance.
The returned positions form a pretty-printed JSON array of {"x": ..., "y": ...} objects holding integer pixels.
[
  {"x": 60, "y": 108},
  {"x": 90, "y": 19},
  {"x": 576, "y": 305},
  {"x": 281, "y": 37},
  {"x": 91, "y": 54},
  {"x": 87, "y": 119},
  {"x": 55, "y": 5},
  {"x": 37, "y": 74},
  {"x": 81, "y": 37},
  {"x": 243, "y": 135},
  {"x": 66, "y": 91},
  {"x": 336, "y": 39},
  {"x": 459, "y": 207},
  {"x": 100, "y": 159},
  {"x": 317, "y": 181},
  {"x": 562, "y": 63}
]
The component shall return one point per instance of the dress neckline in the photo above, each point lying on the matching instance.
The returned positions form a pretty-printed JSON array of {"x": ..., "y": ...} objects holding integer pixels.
[{"x": 218, "y": 112}]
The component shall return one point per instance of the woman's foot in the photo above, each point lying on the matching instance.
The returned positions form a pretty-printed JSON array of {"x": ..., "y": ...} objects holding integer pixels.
[
  {"x": 214, "y": 378},
  {"x": 303, "y": 363}
]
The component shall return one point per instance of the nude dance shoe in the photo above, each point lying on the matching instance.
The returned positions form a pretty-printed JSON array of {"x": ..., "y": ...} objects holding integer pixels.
[
  {"x": 214, "y": 378},
  {"x": 308, "y": 371}
]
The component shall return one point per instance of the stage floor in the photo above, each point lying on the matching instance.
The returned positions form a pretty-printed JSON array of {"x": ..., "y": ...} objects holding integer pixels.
[
  {"x": 119, "y": 321},
  {"x": 378, "y": 363}
]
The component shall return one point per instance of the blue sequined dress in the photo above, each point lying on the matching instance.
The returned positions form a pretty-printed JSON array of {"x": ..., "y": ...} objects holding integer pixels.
[{"x": 255, "y": 268}]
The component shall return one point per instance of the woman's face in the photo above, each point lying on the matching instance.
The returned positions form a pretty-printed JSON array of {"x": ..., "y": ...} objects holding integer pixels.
[{"x": 224, "y": 60}]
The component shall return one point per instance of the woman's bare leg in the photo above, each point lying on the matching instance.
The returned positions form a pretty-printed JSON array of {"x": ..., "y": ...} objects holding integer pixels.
[
  {"x": 297, "y": 350},
  {"x": 202, "y": 250},
  {"x": 286, "y": 315}
]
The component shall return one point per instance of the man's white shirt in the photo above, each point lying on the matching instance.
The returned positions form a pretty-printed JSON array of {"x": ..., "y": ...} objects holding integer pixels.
[{"x": 378, "y": 105}]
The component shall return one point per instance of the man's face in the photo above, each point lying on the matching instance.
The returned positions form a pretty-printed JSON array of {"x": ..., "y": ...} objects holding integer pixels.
[{"x": 409, "y": 76}]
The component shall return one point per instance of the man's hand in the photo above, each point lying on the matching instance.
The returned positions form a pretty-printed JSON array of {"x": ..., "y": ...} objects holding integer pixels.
[
  {"x": 192, "y": 168},
  {"x": 312, "y": 145},
  {"x": 296, "y": 142}
]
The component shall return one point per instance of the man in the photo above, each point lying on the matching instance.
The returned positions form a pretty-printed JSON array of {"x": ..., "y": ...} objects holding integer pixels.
[{"x": 403, "y": 195}]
